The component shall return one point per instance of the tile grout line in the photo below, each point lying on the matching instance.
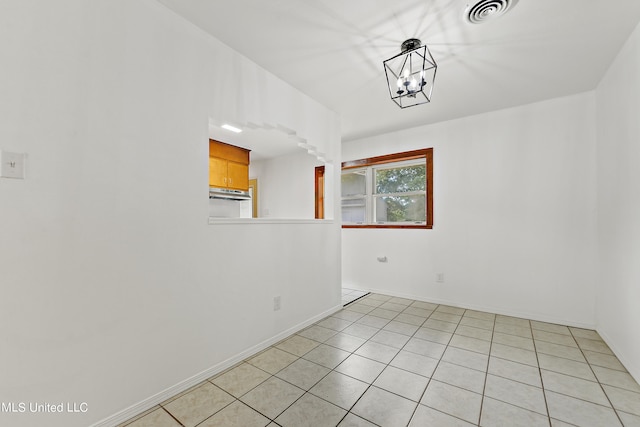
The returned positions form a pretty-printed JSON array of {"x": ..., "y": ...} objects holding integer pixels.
[
  {"x": 413, "y": 414},
  {"x": 486, "y": 374},
  {"x": 222, "y": 409},
  {"x": 330, "y": 371},
  {"x": 615, "y": 411},
  {"x": 177, "y": 420},
  {"x": 386, "y": 365},
  {"x": 437, "y": 365},
  {"x": 544, "y": 394},
  {"x": 314, "y": 384},
  {"x": 348, "y": 411},
  {"x": 439, "y": 360},
  {"x": 512, "y": 379},
  {"x": 238, "y": 399}
]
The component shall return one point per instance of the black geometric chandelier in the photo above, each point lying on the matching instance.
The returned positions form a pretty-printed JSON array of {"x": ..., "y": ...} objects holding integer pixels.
[{"x": 410, "y": 74}]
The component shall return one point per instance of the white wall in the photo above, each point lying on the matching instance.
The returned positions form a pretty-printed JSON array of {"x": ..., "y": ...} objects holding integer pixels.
[
  {"x": 286, "y": 185},
  {"x": 514, "y": 215},
  {"x": 618, "y": 153},
  {"x": 114, "y": 288}
]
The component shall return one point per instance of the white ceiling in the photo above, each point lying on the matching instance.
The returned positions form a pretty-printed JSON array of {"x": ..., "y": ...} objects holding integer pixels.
[
  {"x": 263, "y": 143},
  {"x": 332, "y": 50}
]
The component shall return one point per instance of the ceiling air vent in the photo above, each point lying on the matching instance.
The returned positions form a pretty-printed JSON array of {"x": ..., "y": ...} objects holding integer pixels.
[{"x": 486, "y": 10}]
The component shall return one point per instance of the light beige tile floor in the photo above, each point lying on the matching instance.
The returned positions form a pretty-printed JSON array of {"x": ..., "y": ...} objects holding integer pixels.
[{"x": 384, "y": 361}]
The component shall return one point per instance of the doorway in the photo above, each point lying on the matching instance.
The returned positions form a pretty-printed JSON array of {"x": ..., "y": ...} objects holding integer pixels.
[{"x": 253, "y": 191}]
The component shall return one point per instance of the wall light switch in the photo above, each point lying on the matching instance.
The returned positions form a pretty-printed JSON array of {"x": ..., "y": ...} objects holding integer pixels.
[{"x": 11, "y": 165}]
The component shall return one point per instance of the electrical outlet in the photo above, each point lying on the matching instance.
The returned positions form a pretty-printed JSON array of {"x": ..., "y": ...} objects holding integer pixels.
[
  {"x": 440, "y": 277},
  {"x": 277, "y": 304},
  {"x": 11, "y": 165}
]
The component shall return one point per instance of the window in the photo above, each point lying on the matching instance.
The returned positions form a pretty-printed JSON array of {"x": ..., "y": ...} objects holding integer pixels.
[{"x": 393, "y": 191}]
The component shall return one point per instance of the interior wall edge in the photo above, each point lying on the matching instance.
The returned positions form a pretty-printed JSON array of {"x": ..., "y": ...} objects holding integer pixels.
[
  {"x": 631, "y": 365},
  {"x": 156, "y": 399}
]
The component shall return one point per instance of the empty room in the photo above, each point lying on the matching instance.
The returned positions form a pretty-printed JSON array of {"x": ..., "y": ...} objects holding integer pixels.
[{"x": 319, "y": 213}]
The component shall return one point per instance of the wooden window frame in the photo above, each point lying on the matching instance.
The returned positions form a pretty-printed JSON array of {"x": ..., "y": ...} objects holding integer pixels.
[
  {"x": 319, "y": 192},
  {"x": 427, "y": 154}
]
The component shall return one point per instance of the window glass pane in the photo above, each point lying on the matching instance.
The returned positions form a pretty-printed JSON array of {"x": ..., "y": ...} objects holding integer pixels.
[
  {"x": 401, "y": 208},
  {"x": 354, "y": 183},
  {"x": 401, "y": 179},
  {"x": 353, "y": 210}
]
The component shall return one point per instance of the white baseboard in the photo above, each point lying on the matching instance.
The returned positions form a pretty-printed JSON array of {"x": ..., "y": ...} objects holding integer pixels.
[
  {"x": 489, "y": 309},
  {"x": 160, "y": 397}
]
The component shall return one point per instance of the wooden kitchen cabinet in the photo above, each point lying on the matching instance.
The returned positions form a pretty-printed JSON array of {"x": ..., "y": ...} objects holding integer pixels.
[
  {"x": 237, "y": 176},
  {"x": 228, "y": 166},
  {"x": 217, "y": 172}
]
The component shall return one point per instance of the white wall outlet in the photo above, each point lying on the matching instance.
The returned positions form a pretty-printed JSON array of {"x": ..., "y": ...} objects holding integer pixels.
[
  {"x": 11, "y": 165},
  {"x": 440, "y": 277},
  {"x": 277, "y": 303}
]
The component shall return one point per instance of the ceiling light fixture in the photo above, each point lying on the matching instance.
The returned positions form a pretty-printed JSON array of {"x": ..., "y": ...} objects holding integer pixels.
[
  {"x": 410, "y": 74},
  {"x": 231, "y": 128}
]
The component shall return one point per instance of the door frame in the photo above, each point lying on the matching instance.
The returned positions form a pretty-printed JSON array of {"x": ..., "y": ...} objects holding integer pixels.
[{"x": 253, "y": 190}]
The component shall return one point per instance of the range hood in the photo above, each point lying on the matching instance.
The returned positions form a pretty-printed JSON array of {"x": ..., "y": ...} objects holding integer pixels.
[{"x": 226, "y": 194}]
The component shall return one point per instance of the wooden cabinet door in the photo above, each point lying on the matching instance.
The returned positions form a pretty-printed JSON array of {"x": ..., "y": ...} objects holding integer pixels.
[
  {"x": 238, "y": 176},
  {"x": 228, "y": 152},
  {"x": 217, "y": 172}
]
